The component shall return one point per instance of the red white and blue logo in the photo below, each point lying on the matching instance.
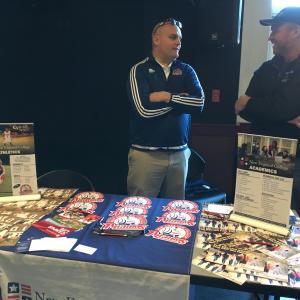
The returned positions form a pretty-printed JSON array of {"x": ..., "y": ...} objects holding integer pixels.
[
  {"x": 88, "y": 197},
  {"x": 136, "y": 201},
  {"x": 88, "y": 207},
  {"x": 182, "y": 205},
  {"x": 126, "y": 222},
  {"x": 17, "y": 291},
  {"x": 171, "y": 233},
  {"x": 178, "y": 217},
  {"x": 129, "y": 210}
]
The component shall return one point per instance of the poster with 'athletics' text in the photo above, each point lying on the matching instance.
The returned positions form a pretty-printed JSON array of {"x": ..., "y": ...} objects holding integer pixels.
[{"x": 17, "y": 160}]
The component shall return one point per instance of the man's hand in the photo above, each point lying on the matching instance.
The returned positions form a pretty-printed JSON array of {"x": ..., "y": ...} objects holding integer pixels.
[
  {"x": 241, "y": 103},
  {"x": 295, "y": 121},
  {"x": 160, "y": 97}
]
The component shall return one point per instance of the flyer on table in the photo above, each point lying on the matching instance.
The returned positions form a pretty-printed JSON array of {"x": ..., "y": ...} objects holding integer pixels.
[
  {"x": 264, "y": 179},
  {"x": 17, "y": 160}
]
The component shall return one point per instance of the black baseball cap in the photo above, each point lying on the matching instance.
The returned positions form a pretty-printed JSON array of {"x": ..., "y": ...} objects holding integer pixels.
[{"x": 286, "y": 15}]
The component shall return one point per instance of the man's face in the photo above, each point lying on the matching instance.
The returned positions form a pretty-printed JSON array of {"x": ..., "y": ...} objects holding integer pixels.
[
  {"x": 167, "y": 41},
  {"x": 282, "y": 38}
]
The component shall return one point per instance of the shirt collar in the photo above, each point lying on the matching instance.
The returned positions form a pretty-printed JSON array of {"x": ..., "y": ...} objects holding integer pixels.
[
  {"x": 279, "y": 61},
  {"x": 151, "y": 57}
]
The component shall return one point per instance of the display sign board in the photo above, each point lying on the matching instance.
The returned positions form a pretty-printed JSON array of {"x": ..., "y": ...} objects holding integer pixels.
[
  {"x": 17, "y": 160},
  {"x": 264, "y": 181}
]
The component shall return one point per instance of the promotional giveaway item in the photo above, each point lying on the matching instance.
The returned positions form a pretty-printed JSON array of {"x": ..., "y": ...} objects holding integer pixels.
[
  {"x": 75, "y": 215},
  {"x": 128, "y": 219}
]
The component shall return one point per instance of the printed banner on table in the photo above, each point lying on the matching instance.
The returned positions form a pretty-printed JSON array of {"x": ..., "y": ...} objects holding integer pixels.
[
  {"x": 17, "y": 160},
  {"x": 30, "y": 277},
  {"x": 264, "y": 179}
]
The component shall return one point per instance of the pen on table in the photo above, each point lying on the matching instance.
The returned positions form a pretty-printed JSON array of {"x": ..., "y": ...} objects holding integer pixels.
[
  {"x": 220, "y": 216},
  {"x": 114, "y": 234},
  {"x": 259, "y": 243}
]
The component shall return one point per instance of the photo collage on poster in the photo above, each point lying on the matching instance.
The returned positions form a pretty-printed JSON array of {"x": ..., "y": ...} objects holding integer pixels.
[
  {"x": 18, "y": 216},
  {"x": 243, "y": 253}
]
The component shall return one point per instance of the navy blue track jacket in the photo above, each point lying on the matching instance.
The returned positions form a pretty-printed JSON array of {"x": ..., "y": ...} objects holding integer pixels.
[{"x": 162, "y": 125}]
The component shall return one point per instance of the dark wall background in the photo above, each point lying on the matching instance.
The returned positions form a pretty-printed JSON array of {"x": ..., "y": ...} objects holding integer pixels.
[{"x": 64, "y": 65}]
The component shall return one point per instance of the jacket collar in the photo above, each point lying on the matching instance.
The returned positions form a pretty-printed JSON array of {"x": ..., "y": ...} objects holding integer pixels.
[{"x": 153, "y": 61}]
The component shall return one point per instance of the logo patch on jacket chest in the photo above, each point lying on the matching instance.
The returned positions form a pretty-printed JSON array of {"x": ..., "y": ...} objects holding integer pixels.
[
  {"x": 286, "y": 76},
  {"x": 177, "y": 72}
]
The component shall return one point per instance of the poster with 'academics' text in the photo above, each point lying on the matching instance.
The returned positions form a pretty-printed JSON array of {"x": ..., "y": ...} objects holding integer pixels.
[
  {"x": 264, "y": 179},
  {"x": 17, "y": 160}
]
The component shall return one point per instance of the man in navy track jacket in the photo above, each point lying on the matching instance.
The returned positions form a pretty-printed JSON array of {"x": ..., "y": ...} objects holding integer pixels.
[{"x": 162, "y": 91}]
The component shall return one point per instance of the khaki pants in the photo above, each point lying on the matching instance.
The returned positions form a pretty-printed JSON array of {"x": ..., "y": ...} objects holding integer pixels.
[{"x": 157, "y": 173}]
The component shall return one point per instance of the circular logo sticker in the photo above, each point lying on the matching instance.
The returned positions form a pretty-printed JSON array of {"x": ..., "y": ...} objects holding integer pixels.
[
  {"x": 25, "y": 189},
  {"x": 182, "y": 205},
  {"x": 178, "y": 217},
  {"x": 88, "y": 197},
  {"x": 127, "y": 220},
  {"x": 88, "y": 207},
  {"x": 129, "y": 210},
  {"x": 136, "y": 201},
  {"x": 179, "y": 232},
  {"x": 171, "y": 233}
]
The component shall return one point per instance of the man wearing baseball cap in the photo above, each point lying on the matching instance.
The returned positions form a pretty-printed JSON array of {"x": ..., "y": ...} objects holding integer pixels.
[
  {"x": 287, "y": 15},
  {"x": 272, "y": 100}
]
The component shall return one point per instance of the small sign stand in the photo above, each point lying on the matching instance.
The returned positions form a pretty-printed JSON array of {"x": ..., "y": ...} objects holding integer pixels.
[
  {"x": 18, "y": 179},
  {"x": 264, "y": 182}
]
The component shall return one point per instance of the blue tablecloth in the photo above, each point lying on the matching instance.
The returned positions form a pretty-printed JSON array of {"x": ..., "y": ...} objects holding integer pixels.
[{"x": 144, "y": 252}]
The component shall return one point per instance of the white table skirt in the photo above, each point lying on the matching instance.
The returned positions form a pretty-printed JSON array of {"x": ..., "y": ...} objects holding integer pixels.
[{"x": 51, "y": 278}]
